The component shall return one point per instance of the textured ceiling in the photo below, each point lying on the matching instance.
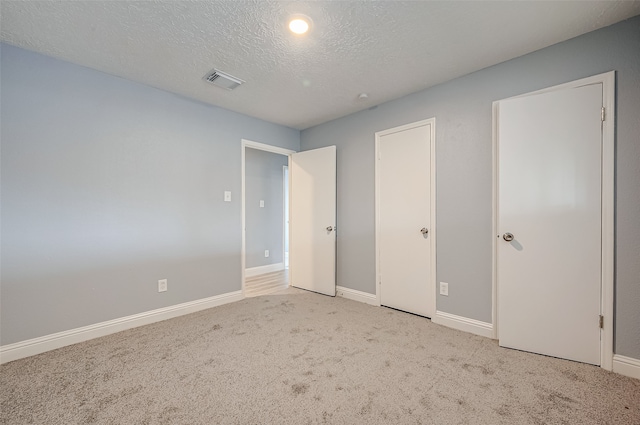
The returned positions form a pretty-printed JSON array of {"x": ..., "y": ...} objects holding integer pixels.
[{"x": 384, "y": 48}]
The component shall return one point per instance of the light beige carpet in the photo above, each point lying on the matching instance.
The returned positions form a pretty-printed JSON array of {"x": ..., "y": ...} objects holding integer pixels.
[{"x": 303, "y": 358}]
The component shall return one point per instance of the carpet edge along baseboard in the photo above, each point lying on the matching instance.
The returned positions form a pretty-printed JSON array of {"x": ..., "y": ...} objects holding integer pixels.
[{"x": 53, "y": 341}]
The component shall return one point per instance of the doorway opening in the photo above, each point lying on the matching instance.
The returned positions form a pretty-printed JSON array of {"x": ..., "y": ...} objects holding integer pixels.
[{"x": 265, "y": 204}]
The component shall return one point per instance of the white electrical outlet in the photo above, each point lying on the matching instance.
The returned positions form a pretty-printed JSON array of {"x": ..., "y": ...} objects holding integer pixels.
[
  {"x": 261, "y": 203},
  {"x": 227, "y": 196},
  {"x": 444, "y": 288},
  {"x": 162, "y": 285},
  {"x": 266, "y": 252}
]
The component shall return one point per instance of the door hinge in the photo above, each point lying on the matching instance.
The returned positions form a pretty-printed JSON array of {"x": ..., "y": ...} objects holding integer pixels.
[
  {"x": 602, "y": 114},
  {"x": 601, "y": 322}
]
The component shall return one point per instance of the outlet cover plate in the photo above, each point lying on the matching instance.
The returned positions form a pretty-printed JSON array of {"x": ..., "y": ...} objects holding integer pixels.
[
  {"x": 162, "y": 285},
  {"x": 444, "y": 288}
]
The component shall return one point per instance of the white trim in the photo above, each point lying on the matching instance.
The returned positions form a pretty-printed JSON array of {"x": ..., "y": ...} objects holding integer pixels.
[
  {"x": 269, "y": 268},
  {"x": 290, "y": 199},
  {"x": 464, "y": 324},
  {"x": 608, "y": 217},
  {"x": 433, "y": 228},
  {"x": 263, "y": 147},
  {"x": 285, "y": 225},
  {"x": 626, "y": 366},
  {"x": 267, "y": 148},
  {"x": 608, "y": 81},
  {"x": 45, "y": 343},
  {"x": 352, "y": 294},
  {"x": 494, "y": 220}
]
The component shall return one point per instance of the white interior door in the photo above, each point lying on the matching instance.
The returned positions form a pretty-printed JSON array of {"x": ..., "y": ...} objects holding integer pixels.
[
  {"x": 312, "y": 220},
  {"x": 404, "y": 222},
  {"x": 549, "y": 200}
]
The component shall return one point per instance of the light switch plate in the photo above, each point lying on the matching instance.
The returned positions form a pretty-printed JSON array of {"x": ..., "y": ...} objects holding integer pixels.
[
  {"x": 227, "y": 196},
  {"x": 261, "y": 203}
]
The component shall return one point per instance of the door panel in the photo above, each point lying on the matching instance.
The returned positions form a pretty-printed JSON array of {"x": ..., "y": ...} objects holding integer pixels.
[
  {"x": 312, "y": 258},
  {"x": 549, "y": 198},
  {"x": 404, "y": 208}
]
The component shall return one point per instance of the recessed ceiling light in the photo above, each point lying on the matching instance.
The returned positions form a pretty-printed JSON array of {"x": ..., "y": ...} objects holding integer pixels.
[{"x": 299, "y": 24}]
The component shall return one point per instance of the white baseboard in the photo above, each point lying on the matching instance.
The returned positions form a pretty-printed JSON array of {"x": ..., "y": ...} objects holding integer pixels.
[
  {"x": 269, "y": 268},
  {"x": 463, "y": 324},
  {"x": 41, "y": 344},
  {"x": 354, "y": 295},
  {"x": 627, "y": 366}
]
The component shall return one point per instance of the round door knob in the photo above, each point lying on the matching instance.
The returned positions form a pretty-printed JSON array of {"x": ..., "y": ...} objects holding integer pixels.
[
  {"x": 424, "y": 230},
  {"x": 507, "y": 237},
  {"x": 329, "y": 228}
]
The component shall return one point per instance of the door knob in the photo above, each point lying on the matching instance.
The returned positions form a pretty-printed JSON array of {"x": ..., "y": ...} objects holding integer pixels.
[
  {"x": 424, "y": 230},
  {"x": 329, "y": 228},
  {"x": 507, "y": 237}
]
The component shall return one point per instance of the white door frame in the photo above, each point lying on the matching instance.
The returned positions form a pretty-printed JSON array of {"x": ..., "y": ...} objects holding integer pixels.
[
  {"x": 262, "y": 147},
  {"x": 608, "y": 207},
  {"x": 285, "y": 214},
  {"x": 433, "y": 227}
]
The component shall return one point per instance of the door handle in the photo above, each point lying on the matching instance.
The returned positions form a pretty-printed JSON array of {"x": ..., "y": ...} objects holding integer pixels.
[
  {"x": 424, "y": 230},
  {"x": 508, "y": 237},
  {"x": 329, "y": 228}
]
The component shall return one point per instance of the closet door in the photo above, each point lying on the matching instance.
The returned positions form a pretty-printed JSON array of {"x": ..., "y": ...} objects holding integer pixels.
[{"x": 549, "y": 264}]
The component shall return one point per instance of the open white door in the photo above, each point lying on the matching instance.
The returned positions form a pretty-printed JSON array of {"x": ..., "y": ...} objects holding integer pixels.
[
  {"x": 312, "y": 220},
  {"x": 549, "y": 264}
]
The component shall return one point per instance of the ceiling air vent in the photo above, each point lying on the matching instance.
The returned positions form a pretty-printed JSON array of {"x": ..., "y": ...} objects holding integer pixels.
[{"x": 220, "y": 79}]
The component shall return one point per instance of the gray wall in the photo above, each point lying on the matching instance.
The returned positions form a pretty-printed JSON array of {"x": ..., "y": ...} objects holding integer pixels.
[
  {"x": 108, "y": 186},
  {"x": 462, "y": 108},
  {"x": 264, "y": 181}
]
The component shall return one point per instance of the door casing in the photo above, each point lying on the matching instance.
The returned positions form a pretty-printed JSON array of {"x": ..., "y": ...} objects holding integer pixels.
[
  {"x": 285, "y": 216},
  {"x": 607, "y": 204},
  {"x": 432, "y": 226}
]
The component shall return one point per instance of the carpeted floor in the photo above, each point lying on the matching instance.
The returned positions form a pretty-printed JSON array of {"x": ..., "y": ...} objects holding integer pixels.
[{"x": 302, "y": 358}]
